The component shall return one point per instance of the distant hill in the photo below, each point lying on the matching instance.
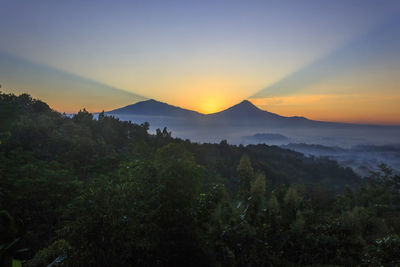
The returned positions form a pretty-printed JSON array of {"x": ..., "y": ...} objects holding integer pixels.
[
  {"x": 314, "y": 149},
  {"x": 154, "y": 108},
  {"x": 363, "y": 159},
  {"x": 245, "y": 119},
  {"x": 244, "y": 109},
  {"x": 266, "y": 138},
  {"x": 243, "y": 113}
]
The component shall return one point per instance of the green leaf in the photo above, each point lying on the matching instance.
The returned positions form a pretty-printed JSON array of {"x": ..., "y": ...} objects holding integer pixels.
[{"x": 16, "y": 263}]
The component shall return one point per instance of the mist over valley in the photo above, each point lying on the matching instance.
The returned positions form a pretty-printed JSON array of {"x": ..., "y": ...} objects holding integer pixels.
[{"x": 361, "y": 147}]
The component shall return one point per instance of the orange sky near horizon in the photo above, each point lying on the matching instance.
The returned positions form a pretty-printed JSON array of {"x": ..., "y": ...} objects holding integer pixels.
[
  {"x": 352, "y": 108},
  {"x": 329, "y": 61},
  {"x": 372, "y": 109}
]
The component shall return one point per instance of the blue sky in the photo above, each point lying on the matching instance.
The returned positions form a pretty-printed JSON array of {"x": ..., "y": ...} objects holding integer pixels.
[{"x": 206, "y": 55}]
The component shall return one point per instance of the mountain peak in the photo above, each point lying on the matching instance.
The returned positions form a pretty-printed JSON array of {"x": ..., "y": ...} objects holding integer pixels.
[
  {"x": 244, "y": 106},
  {"x": 247, "y": 103},
  {"x": 153, "y": 107},
  {"x": 245, "y": 110},
  {"x": 151, "y": 101}
]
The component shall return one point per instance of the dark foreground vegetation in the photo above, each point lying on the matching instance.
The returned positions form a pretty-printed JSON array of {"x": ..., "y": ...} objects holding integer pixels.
[{"x": 75, "y": 191}]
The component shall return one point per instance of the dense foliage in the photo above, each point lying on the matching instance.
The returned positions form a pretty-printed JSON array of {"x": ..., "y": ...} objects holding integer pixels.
[{"x": 75, "y": 191}]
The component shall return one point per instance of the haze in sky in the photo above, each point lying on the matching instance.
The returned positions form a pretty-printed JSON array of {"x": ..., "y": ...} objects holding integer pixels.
[{"x": 325, "y": 60}]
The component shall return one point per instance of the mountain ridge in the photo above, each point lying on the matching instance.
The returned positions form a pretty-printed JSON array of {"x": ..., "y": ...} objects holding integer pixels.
[
  {"x": 152, "y": 107},
  {"x": 244, "y": 113},
  {"x": 245, "y": 109},
  {"x": 246, "y": 119}
]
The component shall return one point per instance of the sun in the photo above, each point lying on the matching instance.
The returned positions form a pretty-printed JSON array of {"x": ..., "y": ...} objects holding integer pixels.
[{"x": 210, "y": 105}]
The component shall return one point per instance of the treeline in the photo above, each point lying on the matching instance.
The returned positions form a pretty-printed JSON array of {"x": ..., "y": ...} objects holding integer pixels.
[{"x": 75, "y": 191}]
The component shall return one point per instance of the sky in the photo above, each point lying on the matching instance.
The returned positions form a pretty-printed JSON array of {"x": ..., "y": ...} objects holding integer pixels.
[{"x": 325, "y": 60}]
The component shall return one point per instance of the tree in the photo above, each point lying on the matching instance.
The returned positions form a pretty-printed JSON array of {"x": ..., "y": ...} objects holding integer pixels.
[
  {"x": 257, "y": 194},
  {"x": 246, "y": 175},
  {"x": 177, "y": 197}
]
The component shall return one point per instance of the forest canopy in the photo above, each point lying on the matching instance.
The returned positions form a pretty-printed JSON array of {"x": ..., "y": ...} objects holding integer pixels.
[{"x": 79, "y": 191}]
